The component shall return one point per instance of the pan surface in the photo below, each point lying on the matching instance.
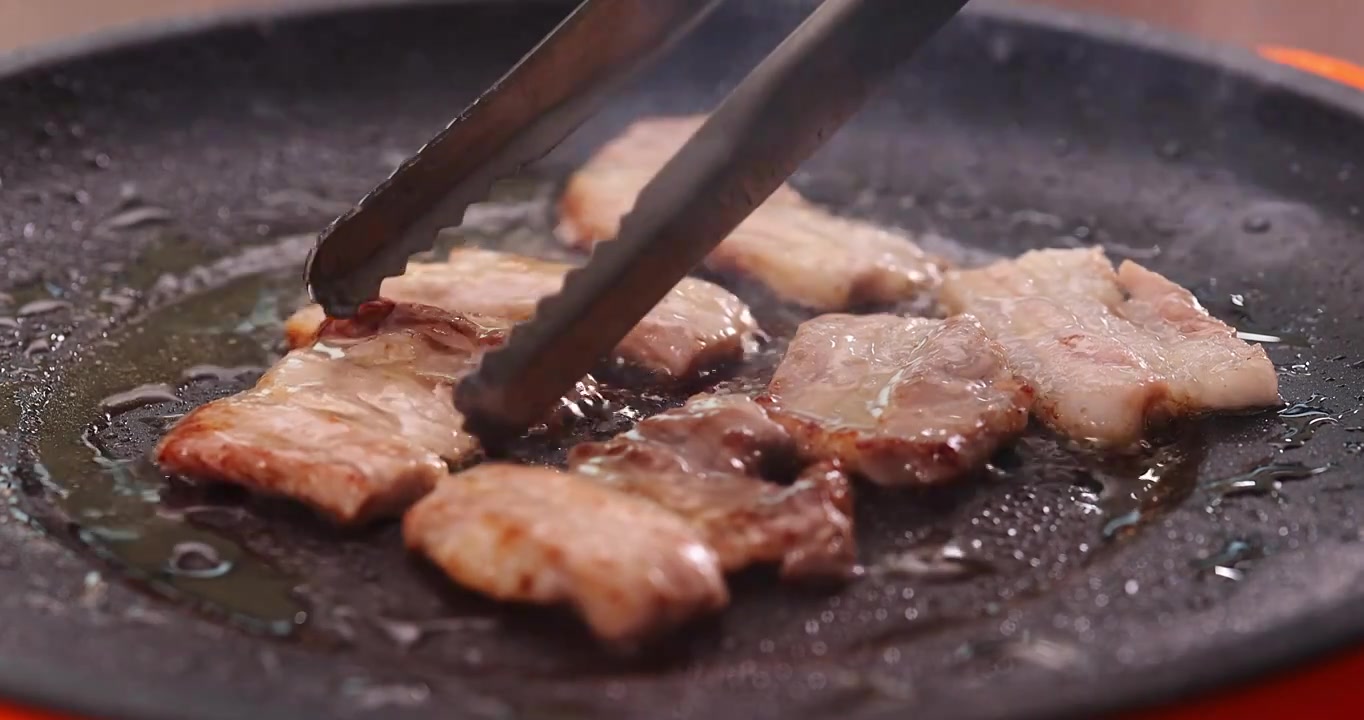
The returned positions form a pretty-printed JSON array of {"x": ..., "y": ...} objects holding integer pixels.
[{"x": 154, "y": 203}]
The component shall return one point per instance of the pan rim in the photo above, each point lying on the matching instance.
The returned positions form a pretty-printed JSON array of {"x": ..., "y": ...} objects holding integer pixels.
[
  {"x": 1297, "y": 644},
  {"x": 1230, "y": 59}
]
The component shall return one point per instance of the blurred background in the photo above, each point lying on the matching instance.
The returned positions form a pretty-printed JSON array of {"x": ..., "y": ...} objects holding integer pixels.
[{"x": 1326, "y": 26}]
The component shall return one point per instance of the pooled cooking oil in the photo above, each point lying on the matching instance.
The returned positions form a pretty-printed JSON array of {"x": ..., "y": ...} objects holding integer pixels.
[
  {"x": 217, "y": 322},
  {"x": 1303, "y": 420},
  {"x": 1157, "y": 478},
  {"x": 197, "y": 560},
  {"x": 116, "y": 502},
  {"x": 1263, "y": 479}
]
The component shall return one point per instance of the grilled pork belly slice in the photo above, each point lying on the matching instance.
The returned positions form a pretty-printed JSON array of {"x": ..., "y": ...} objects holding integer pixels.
[
  {"x": 357, "y": 425},
  {"x": 1054, "y": 312},
  {"x": 1109, "y": 353},
  {"x": 1207, "y": 366},
  {"x": 706, "y": 460},
  {"x": 530, "y": 534},
  {"x": 802, "y": 253},
  {"x": 902, "y": 401},
  {"x": 697, "y": 327}
]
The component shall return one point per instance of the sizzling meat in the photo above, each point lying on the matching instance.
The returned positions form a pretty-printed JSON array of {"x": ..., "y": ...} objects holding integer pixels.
[
  {"x": 697, "y": 327},
  {"x": 530, "y": 534},
  {"x": 1108, "y": 352},
  {"x": 357, "y": 425},
  {"x": 705, "y": 461},
  {"x": 1207, "y": 366},
  {"x": 899, "y": 400},
  {"x": 802, "y": 253}
]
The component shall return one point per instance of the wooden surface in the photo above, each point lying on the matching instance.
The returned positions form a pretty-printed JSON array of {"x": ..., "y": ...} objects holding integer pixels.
[
  {"x": 1332, "y": 27},
  {"x": 1329, "y": 26},
  {"x": 25, "y": 23}
]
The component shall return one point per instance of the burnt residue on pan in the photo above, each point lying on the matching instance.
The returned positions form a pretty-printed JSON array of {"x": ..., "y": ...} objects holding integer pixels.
[{"x": 152, "y": 205}]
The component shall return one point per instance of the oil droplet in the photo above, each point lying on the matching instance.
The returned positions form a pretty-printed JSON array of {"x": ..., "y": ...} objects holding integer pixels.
[
  {"x": 1229, "y": 573},
  {"x": 38, "y": 347},
  {"x": 1134, "y": 488},
  {"x": 585, "y": 401},
  {"x": 1301, "y": 369},
  {"x": 406, "y": 634},
  {"x": 137, "y": 397},
  {"x": 1265, "y": 479},
  {"x": 42, "y": 307},
  {"x": 1223, "y": 563},
  {"x": 1171, "y": 149},
  {"x": 1305, "y": 409},
  {"x": 121, "y": 299},
  {"x": 368, "y": 695},
  {"x": 1300, "y": 433},
  {"x": 1289, "y": 339},
  {"x": 1256, "y": 224},
  {"x": 1129, "y": 519},
  {"x": 133, "y": 218},
  {"x": 216, "y": 372},
  {"x": 1047, "y": 654},
  {"x": 197, "y": 560},
  {"x": 1238, "y": 307},
  {"x": 1132, "y": 251},
  {"x": 946, "y": 562},
  {"x": 1303, "y": 419}
]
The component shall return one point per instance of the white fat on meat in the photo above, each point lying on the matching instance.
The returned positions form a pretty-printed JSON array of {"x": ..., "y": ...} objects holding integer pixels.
[
  {"x": 358, "y": 424},
  {"x": 630, "y": 568},
  {"x": 800, "y": 252},
  {"x": 1107, "y": 352},
  {"x": 697, "y": 327}
]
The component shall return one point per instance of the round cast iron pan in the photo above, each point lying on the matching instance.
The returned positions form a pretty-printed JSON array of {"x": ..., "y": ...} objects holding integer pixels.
[{"x": 1015, "y": 129}]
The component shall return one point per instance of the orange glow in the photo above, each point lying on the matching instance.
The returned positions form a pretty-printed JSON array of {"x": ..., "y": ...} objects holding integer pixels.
[{"x": 1342, "y": 71}]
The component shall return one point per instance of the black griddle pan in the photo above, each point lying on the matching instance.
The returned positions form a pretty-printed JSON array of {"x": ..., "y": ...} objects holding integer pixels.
[{"x": 146, "y": 181}]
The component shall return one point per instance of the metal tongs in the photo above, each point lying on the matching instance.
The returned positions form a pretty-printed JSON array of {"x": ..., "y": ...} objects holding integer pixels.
[{"x": 776, "y": 118}]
